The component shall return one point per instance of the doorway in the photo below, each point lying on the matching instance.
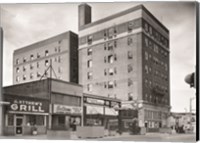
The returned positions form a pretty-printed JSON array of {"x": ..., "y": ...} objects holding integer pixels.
[{"x": 19, "y": 125}]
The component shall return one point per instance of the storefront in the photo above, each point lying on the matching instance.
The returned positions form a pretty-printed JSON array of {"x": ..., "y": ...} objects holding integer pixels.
[
  {"x": 25, "y": 115},
  {"x": 66, "y": 117}
]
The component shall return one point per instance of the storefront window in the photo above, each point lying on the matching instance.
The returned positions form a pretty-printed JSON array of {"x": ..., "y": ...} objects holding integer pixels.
[
  {"x": 10, "y": 119},
  {"x": 32, "y": 120}
]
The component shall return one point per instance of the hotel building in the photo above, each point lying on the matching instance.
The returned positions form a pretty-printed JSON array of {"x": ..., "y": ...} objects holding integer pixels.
[
  {"x": 126, "y": 56},
  {"x": 33, "y": 62}
]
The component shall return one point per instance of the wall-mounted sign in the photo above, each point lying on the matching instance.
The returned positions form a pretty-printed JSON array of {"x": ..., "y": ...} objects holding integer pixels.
[
  {"x": 95, "y": 101},
  {"x": 64, "y": 109},
  {"x": 28, "y": 105}
]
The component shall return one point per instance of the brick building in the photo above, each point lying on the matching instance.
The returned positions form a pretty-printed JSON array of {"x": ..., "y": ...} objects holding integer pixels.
[
  {"x": 126, "y": 56},
  {"x": 31, "y": 62},
  {"x": 47, "y": 104}
]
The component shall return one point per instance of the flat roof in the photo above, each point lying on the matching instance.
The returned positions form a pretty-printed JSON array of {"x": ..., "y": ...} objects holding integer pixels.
[
  {"x": 123, "y": 13},
  {"x": 42, "y": 42},
  {"x": 101, "y": 97}
]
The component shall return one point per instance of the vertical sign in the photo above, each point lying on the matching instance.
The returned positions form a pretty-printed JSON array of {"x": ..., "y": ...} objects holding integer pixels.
[{"x": 1, "y": 72}]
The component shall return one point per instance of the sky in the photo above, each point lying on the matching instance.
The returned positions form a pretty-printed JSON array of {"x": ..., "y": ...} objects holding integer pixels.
[{"x": 24, "y": 24}]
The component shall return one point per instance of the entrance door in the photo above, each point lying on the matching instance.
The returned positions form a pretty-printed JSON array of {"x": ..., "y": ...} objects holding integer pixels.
[{"x": 19, "y": 128}]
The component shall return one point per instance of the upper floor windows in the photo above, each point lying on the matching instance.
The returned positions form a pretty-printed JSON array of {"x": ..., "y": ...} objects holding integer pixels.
[
  {"x": 46, "y": 62},
  {"x": 17, "y": 79},
  {"x": 46, "y": 52},
  {"x": 89, "y": 76},
  {"x": 130, "y": 55},
  {"x": 17, "y": 69},
  {"x": 89, "y": 87},
  {"x": 130, "y": 96},
  {"x": 17, "y": 61},
  {"x": 130, "y": 68},
  {"x": 89, "y": 51},
  {"x": 31, "y": 57},
  {"x": 129, "y": 41},
  {"x": 89, "y": 39},
  {"x": 24, "y": 59},
  {"x": 38, "y": 55},
  {"x": 130, "y": 26},
  {"x": 89, "y": 63}
]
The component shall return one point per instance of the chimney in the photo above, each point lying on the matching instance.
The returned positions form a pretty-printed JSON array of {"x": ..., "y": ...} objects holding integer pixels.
[{"x": 85, "y": 14}]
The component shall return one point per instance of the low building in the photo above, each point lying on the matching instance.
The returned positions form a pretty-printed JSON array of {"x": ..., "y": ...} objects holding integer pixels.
[{"x": 48, "y": 104}]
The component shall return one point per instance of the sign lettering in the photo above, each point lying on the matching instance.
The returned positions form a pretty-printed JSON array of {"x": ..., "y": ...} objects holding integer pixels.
[{"x": 64, "y": 109}]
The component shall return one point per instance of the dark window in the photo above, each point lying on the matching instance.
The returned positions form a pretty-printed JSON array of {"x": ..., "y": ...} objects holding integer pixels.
[
  {"x": 17, "y": 61},
  {"x": 89, "y": 63},
  {"x": 46, "y": 52},
  {"x": 130, "y": 68},
  {"x": 10, "y": 119},
  {"x": 130, "y": 55},
  {"x": 89, "y": 75},
  {"x": 129, "y": 41},
  {"x": 110, "y": 58},
  {"x": 110, "y": 84},
  {"x": 130, "y": 82},
  {"x": 89, "y": 51},
  {"x": 61, "y": 120},
  {"x": 89, "y": 39},
  {"x": 130, "y": 26}
]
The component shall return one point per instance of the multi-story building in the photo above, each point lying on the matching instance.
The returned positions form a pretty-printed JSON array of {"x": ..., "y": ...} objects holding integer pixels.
[
  {"x": 126, "y": 56},
  {"x": 55, "y": 57}
]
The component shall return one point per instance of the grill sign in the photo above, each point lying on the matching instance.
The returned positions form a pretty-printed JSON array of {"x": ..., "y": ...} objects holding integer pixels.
[{"x": 27, "y": 106}]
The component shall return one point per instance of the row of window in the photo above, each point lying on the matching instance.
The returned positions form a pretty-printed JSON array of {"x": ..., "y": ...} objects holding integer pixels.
[
  {"x": 155, "y": 99},
  {"x": 149, "y": 84},
  {"x": 156, "y": 61},
  {"x": 155, "y": 34},
  {"x": 112, "y": 32},
  {"x": 32, "y": 56},
  {"x": 151, "y": 45},
  {"x": 37, "y": 75},
  {"x": 46, "y": 63},
  {"x": 152, "y": 114}
]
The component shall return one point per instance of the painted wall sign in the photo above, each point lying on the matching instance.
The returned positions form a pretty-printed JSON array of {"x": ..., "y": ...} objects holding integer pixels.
[
  {"x": 26, "y": 105},
  {"x": 64, "y": 109}
]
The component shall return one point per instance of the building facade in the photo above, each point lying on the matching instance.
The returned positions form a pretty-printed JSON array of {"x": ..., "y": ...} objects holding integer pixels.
[
  {"x": 33, "y": 62},
  {"x": 42, "y": 105},
  {"x": 126, "y": 56}
]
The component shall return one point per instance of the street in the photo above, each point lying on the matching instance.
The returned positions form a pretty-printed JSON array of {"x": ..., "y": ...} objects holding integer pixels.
[{"x": 150, "y": 137}]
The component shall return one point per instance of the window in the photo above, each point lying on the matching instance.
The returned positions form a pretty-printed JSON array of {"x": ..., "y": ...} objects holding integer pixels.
[
  {"x": 111, "y": 32},
  {"x": 31, "y": 57},
  {"x": 31, "y": 76},
  {"x": 59, "y": 49},
  {"x": 166, "y": 67},
  {"x": 110, "y": 84},
  {"x": 17, "y": 69},
  {"x": 130, "y": 82},
  {"x": 89, "y": 63},
  {"x": 46, "y": 62},
  {"x": 17, "y": 79},
  {"x": 24, "y": 68},
  {"x": 110, "y": 46},
  {"x": 105, "y": 34},
  {"x": 89, "y": 75},
  {"x": 150, "y": 30},
  {"x": 24, "y": 59},
  {"x": 130, "y": 55},
  {"x": 146, "y": 55},
  {"x": 130, "y": 68},
  {"x": 105, "y": 59},
  {"x": 46, "y": 53},
  {"x": 38, "y": 55},
  {"x": 89, "y": 39},
  {"x": 24, "y": 77},
  {"x": 31, "y": 66},
  {"x": 10, "y": 119},
  {"x": 89, "y": 87},
  {"x": 115, "y": 57},
  {"x": 89, "y": 51},
  {"x": 130, "y": 96},
  {"x": 146, "y": 42},
  {"x": 146, "y": 27},
  {"x": 60, "y": 41},
  {"x": 105, "y": 85},
  {"x": 129, "y": 41},
  {"x": 17, "y": 61},
  {"x": 110, "y": 59},
  {"x": 111, "y": 71},
  {"x": 105, "y": 72},
  {"x": 59, "y": 70},
  {"x": 38, "y": 74},
  {"x": 56, "y": 49},
  {"x": 146, "y": 69},
  {"x": 130, "y": 26}
]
